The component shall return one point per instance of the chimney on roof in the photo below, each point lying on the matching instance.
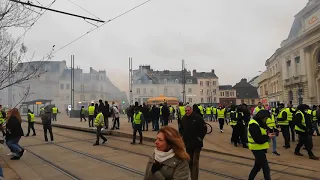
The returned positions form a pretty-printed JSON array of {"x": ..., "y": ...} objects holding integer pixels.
[
  {"x": 91, "y": 69},
  {"x": 194, "y": 72},
  {"x": 212, "y": 71},
  {"x": 244, "y": 80}
]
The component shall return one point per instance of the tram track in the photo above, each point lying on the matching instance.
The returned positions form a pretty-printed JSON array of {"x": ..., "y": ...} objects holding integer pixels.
[{"x": 208, "y": 157}]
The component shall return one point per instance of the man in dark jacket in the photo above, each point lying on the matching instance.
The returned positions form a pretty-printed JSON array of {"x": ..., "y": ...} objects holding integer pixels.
[
  {"x": 155, "y": 115},
  {"x": 103, "y": 109},
  {"x": 165, "y": 114},
  {"x": 46, "y": 123},
  {"x": 193, "y": 134},
  {"x": 145, "y": 112}
]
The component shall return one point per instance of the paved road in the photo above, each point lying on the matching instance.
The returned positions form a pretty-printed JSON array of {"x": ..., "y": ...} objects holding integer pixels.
[{"x": 72, "y": 156}]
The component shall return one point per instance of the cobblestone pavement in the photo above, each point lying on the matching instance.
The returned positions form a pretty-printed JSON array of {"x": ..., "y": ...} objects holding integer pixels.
[{"x": 72, "y": 156}]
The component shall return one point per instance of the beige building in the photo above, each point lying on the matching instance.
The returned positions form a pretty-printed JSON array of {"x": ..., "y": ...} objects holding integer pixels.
[
  {"x": 228, "y": 95},
  {"x": 274, "y": 80},
  {"x": 297, "y": 62},
  {"x": 263, "y": 87},
  {"x": 208, "y": 84}
]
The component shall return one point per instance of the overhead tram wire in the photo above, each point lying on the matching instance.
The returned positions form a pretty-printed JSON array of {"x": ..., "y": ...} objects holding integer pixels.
[
  {"x": 84, "y": 9},
  {"x": 90, "y": 31}
]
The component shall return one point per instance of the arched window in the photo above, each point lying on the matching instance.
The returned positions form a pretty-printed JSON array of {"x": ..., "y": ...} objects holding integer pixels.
[{"x": 290, "y": 95}]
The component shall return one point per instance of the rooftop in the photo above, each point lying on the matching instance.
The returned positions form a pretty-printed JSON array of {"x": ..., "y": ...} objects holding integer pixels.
[
  {"x": 210, "y": 74},
  {"x": 246, "y": 90},
  {"x": 225, "y": 87}
]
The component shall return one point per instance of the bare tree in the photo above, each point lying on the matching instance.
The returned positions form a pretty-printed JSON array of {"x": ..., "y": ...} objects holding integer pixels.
[{"x": 15, "y": 67}]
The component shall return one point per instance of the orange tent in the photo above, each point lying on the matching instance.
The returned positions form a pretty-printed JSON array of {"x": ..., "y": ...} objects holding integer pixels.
[{"x": 162, "y": 99}]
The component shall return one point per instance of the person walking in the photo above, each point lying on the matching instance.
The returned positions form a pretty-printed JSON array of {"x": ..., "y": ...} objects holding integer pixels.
[
  {"x": 82, "y": 114},
  {"x": 14, "y": 132},
  {"x": 155, "y": 115},
  {"x": 31, "y": 121},
  {"x": 99, "y": 123},
  {"x": 137, "y": 126},
  {"x": 194, "y": 131},
  {"x": 283, "y": 122},
  {"x": 165, "y": 114},
  {"x": 221, "y": 113},
  {"x": 91, "y": 111},
  {"x": 181, "y": 111},
  {"x": 303, "y": 127},
  {"x": 46, "y": 123},
  {"x": 116, "y": 116},
  {"x": 258, "y": 141},
  {"x": 169, "y": 159}
]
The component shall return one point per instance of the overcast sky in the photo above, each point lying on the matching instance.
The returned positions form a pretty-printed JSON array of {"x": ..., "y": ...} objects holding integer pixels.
[{"x": 234, "y": 37}]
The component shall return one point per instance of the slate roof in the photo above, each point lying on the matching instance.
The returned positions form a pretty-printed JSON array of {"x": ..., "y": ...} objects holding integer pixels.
[
  {"x": 205, "y": 75},
  {"x": 246, "y": 90},
  {"x": 225, "y": 87},
  {"x": 159, "y": 78}
]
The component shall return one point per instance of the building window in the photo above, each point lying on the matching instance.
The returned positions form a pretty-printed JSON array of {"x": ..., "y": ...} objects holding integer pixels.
[
  {"x": 81, "y": 87},
  {"x": 288, "y": 68},
  {"x": 297, "y": 60},
  {"x": 165, "y": 81},
  {"x": 201, "y": 92},
  {"x": 67, "y": 86},
  {"x": 138, "y": 90},
  {"x": 101, "y": 88},
  {"x": 207, "y": 83},
  {"x": 201, "y": 100},
  {"x": 214, "y": 83},
  {"x": 190, "y": 100},
  {"x": 209, "y": 100},
  {"x": 61, "y": 86},
  {"x": 272, "y": 88},
  {"x": 222, "y": 94},
  {"x": 214, "y": 92},
  {"x": 261, "y": 90},
  {"x": 144, "y": 90},
  {"x": 208, "y": 91},
  {"x": 82, "y": 97},
  {"x": 227, "y": 93},
  {"x": 152, "y": 91},
  {"x": 201, "y": 83},
  {"x": 232, "y": 94},
  {"x": 189, "y": 90},
  {"x": 189, "y": 81},
  {"x": 177, "y": 81},
  {"x": 214, "y": 99}
]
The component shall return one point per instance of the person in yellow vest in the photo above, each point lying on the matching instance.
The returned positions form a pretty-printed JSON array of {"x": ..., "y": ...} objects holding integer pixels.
[
  {"x": 272, "y": 128},
  {"x": 181, "y": 111},
  {"x": 234, "y": 116},
  {"x": 283, "y": 122},
  {"x": 214, "y": 113},
  {"x": 82, "y": 114},
  {"x": 315, "y": 120},
  {"x": 99, "y": 123},
  {"x": 42, "y": 111},
  {"x": 3, "y": 116},
  {"x": 303, "y": 127},
  {"x": 137, "y": 126},
  {"x": 91, "y": 110},
  {"x": 54, "y": 113},
  {"x": 201, "y": 109},
  {"x": 258, "y": 108},
  {"x": 208, "y": 113},
  {"x": 258, "y": 142},
  {"x": 290, "y": 112},
  {"x": 171, "y": 113},
  {"x": 31, "y": 121},
  {"x": 221, "y": 115}
]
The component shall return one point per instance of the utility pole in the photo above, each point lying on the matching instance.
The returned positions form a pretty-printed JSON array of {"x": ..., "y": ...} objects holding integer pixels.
[
  {"x": 183, "y": 74},
  {"x": 72, "y": 82},
  {"x": 10, "y": 81},
  {"x": 130, "y": 81}
]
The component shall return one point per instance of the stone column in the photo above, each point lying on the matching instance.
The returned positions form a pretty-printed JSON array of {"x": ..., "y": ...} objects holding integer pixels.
[
  {"x": 310, "y": 75},
  {"x": 293, "y": 65},
  {"x": 284, "y": 69},
  {"x": 302, "y": 62}
]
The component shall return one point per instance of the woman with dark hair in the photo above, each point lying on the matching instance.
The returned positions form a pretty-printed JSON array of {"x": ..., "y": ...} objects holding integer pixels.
[
  {"x": 197, "y": 110},
  {"x": 14, "y": 133},
  {"x": 258, "y": 142},
  {"x": 170, "y": 159}
]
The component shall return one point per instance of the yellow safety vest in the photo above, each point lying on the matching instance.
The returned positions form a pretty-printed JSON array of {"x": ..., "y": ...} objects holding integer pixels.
[
  {"x": 284, "y": 122},
  {"x": 303, "y": 122},
  {"x": 214, "y": 110},
  {"x": 171, "y": 109},
  {"x": 314, "y": 115},
  {"x": 253, "y": 145},
  {"x": 208, "y": 110},
  {"x": 160, "y": 110},
  {"x": 233, "y": 122},
  {"x": 257, "y": 109},
  {"x": 1, "y": 118},
  {"x": 182, "y": 110},
  {"x": 54, "y": 110},
  {"x": 96, "y": 121},
  {"x": 289, "y": 114},
  {"x": 221, "y": 113},
  {"x": 271, "y": 123},
  {"x": 32, "y": 117},
  {"x": 91, "y": 110},
  {"x": 273, "y": 110},
  {"x": 137, "y": 118},
  {"x": 83, "y": 111},
  {"x": 201, "y": 109}
]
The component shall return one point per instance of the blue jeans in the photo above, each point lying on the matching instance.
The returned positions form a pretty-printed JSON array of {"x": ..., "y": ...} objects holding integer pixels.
[
  {"x": 156, "y": 124},
  {"x": 14, "y": 146},
  {"x": 274, "y": 144}
]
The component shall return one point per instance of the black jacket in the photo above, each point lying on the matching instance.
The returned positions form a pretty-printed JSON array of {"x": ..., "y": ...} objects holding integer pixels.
[
  {"x": 297, "y": 119},
  {"x": 193, "y": 131},
  {"x": 145, "y": 112},
  {"x": 155, "y": 113},
  {"x": 13, "y": 128},
  {"x": 255, "y": 132},
  {"x": 165, "y": 111}
]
